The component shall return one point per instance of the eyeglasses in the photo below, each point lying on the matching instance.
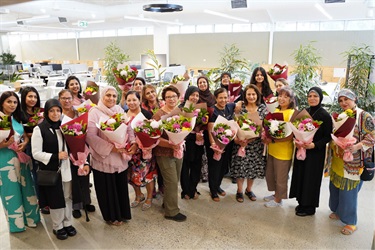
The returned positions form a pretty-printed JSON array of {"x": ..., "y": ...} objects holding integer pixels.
[
  {"x": 171, "y": 97},
  {"x": 66, "y": 98}
]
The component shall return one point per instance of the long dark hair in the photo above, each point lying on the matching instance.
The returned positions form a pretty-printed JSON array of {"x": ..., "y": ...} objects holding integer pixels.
[
  {"x": 266, "y": 89},
  {"x": 17, "y": 113},
  {"x": 24, "y": 93},
  {"x": 80, "y": 86}
]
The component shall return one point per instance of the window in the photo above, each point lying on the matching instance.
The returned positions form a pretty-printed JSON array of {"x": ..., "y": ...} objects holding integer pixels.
[
  {"x": 108, "y": 33},
  {"x": 360, "y": 25},
  {"x": 241, "y": 27},
  {"x": 223, "y": 28},
  {"x": 261, "y": 26},
  {"x": 307, "y": 26},
  {"x": 286, "y": 26},
  {"x": 173, "y": 29},
  {"x": 187, "y": 29},
  {"x": 124, "y": 32},
  {"x": 204, "y": 29},
  {"x": 332, "y": 25}
]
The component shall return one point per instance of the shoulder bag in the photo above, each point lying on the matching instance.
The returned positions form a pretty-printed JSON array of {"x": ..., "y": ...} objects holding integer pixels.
[{"x": 368, "y": 163}]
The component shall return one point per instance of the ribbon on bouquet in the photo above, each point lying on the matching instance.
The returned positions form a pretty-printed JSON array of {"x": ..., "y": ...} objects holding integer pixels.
[
  {"x": 80, "y": 161},
  {"x": 178, "y": 153},
  {"x": 146, "y": 151},
  {"x": 301, "y": 151},
  {"x": 22, "y": 156},
  {"x": 344, "y": 143},
  {"x": 125, "y": 156},
  {"x": 217, "y": 152}
]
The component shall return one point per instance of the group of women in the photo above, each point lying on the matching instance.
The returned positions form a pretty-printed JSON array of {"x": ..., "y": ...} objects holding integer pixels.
[{"x": 114, "y": 167}]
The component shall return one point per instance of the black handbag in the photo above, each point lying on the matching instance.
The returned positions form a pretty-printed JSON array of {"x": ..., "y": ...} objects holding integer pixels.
[
  {"x": 49, "y": 177},
  {"x": 368, "y": 163}
]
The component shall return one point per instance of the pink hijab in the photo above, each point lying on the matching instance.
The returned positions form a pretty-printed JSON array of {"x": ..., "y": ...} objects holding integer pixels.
[{"x": 108, "y": 111}]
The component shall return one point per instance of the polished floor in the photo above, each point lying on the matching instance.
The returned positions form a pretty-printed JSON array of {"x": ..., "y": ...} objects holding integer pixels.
[{"x": 210, "y": 225}]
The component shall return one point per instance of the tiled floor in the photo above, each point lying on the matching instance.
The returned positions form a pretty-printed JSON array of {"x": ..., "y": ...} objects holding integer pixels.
[{"x": 210, "y": 225}]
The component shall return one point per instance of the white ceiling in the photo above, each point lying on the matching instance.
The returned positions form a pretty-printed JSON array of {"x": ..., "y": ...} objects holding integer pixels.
[{"x": 113, "y": 12}]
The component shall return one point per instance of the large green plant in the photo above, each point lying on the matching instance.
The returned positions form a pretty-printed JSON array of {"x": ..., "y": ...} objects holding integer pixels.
[
  {"x": 360, "y": 65},
  {"x": 155, "y": 62},
  {"x": 307, "y": 59},
  {"x": 113, "y": 56},
  {"x": 7, "y": 58},
  {"x": 232, "y": 62}
]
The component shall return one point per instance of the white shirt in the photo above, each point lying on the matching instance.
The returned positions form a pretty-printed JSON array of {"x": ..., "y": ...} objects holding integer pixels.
[{"x": 44, "y": 157}]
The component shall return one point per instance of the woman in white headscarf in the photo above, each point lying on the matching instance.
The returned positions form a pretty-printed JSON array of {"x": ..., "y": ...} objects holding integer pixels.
[{"x": 110, "y": 169}]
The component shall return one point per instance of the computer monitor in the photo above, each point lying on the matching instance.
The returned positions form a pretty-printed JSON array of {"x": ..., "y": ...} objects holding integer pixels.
[
  {"x": 56, "y": 67},
  {"x": 149, "y": 74},
  {"x": 168, "y": 76}
]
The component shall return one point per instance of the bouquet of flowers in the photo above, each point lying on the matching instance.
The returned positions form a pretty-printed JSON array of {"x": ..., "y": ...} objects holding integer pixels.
[
  {"x": 22, "y": 156},
  {"x": 249, "y": 127},
  {"x": 200, "y": 112},
  {"x": 5, "y": 127},
  {"x": 84, "y": 107},
  {"x": 147, "y": 134},
  {"x": 36, "y": 118},
  {"x": 223, "y": 133},
  {"x": 177, "y": 127},
  {"x": 271, "y": 103},
  {"x": 75, "y": 132},
  {"x": 115, "y": 129},
  {"x": 180, "y": 83},
  {"x": 91, "y": 92},
  {"x": 234, "y": 88},
  {"x": 125, "y": 75},
  {"x": 276, "y": 128},
  {"x": 278, "y": 71},
  {"x": 343, "y": 129},
  {"x": 304, "y": 129}
]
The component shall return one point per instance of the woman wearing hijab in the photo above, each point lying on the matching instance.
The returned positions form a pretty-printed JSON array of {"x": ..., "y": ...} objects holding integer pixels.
[
  {"x": 49, "y": 148},
  {"x": 307, "y": 174},
  {"x": 345, "y": 182},
  {"x": 109, "y": 167},
  {"x": 192, "y": 161}
]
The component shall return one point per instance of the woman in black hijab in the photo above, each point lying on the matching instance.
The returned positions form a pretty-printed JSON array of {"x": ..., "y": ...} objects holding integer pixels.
[
  {"x": 49, "y": 148},
  {"x": 307, "y": 174}
]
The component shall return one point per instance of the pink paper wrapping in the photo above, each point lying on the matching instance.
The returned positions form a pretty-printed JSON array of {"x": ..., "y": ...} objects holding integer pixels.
[
  {"x": 22, "y": 156},
  {"x": 146, "y": 150},
  {"x": 344, "y": 143},
  {"x": 80, "y": 161}
]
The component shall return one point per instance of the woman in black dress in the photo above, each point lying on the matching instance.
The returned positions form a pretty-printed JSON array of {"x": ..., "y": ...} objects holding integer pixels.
[{"x": 307, "y": 174}]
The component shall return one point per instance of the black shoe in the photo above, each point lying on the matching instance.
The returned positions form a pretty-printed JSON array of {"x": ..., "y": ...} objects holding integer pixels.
[
  {"x": 90, "y": 208},
  {"x": 303, "y": 213},
  {"x": 45, "y": 210},
  {"x": 178, "y": 217},
  {"x": 77, "y": 214},
  {"x": 61, "y": 234},
  {"x": 71, "y": 231}
]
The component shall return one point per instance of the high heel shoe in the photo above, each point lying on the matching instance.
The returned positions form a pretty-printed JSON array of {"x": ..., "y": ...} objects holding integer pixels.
[
  {"x": 145, "y": 205},
  {"x": 138, "y": 199}
]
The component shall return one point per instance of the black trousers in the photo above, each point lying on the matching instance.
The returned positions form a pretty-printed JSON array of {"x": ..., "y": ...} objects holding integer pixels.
[{"x": 191, "y": 167}]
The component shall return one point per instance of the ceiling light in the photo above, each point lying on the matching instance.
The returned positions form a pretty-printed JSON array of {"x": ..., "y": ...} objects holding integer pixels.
[
  {"x": 34, "y": 18},
  {"x": 162, "y": 7},
  {"x": 225, "y": 15},
  {"x": 151, "y": 20},
  {"x": 323, "y": 11}
]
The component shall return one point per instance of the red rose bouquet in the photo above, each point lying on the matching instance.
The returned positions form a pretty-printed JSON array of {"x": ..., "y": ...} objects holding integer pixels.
[
  {"x": 278, "y": 71},
  {"x": 125, "y": 76}
]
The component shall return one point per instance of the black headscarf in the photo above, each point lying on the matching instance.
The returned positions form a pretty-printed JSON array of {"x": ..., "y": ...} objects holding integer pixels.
[
  {"x": 319, "y": 91},
  {"x": 221, "y": 78},
  {"x": 206, "y": 96},
  {"x": 50, "y": 104},
  {"x": 190, "y": 90}
]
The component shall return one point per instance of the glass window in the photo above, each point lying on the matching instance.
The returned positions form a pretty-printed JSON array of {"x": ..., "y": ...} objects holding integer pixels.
[
  {"x": 260, "y": 27},
  {"x": 107, "y": 33},
  {"x": 124, "y": 32},
  {"x": 138, "y": 31},
  {"x": 223, "y": 28},
  {"x": 52, "y": 36},
  {"x": 187, "y": 29},
  {"x": 34, "y": 37},
  {"x": 150, "y": 30},
  {"x": 71, "y": 35},
  {"x": 204, "y": 29},
  {"x": 84, "y": 34},
  {"x": 97, "y": 33},
  {"x": 332, "y": 25},
  {"x": 307, "y": 26},
  {"x": 285, "y": 26},
  {"x": 173, "y": 29},
  {"x": 25, "y": 37},
  {"x": 240, "y": 27},
  {"x": 62, "y": 35},
  {"x": 360, "y": 25},
  {"x": 43, "y": 36}
]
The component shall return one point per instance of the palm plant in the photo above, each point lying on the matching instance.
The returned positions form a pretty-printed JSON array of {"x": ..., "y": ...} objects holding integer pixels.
[
  {"x": 113, "y": 56},
  {"x": 307, "y": 60},
  {"x": 155, "y": 62}
]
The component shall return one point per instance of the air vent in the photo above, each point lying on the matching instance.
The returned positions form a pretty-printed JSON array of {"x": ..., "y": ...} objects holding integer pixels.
[
  {"x": 239, "y": 4},
  {"x": 62, "y": 20},
  {"x": 20, "y": 22},
  {"x": 334, "y": 1}
]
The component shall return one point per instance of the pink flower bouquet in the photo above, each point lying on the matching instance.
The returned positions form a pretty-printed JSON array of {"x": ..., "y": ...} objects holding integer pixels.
[
  {"x": 125, "y": 76},
  {"x": 343, "y": 127},
  {"x": 147, "y": 134},
  {"x": 115, "y": 129},
  {"x": 249, "y": 127},
  {"x": 223, "y": 133},
  {"x": 304, "y": 129},
  {"x": 84, "y": 107},
  {"x": 177, "y": 127},
  {"x": 75, "y": 132}
]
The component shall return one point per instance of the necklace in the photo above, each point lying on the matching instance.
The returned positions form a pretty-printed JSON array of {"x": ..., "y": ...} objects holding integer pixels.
[{"x": 221, "y": 111}]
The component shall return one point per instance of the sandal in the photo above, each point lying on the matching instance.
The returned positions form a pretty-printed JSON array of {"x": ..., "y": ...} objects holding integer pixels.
[
  {"x": 115, "y": 223},
  {"x": 145, "y": 205},
  {"x": 251, "y": 195},
  {"x": 348, "y": 229},
  {"x": 138, "y": 199},
  {"x": 221, "y": 192},
  {"x": 334, "y": 216},
  {"x": 196, "y": 196},
  {"x": 239, "y": 197}
]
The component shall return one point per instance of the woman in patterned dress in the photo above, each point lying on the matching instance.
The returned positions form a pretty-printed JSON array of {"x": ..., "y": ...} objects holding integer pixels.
[
  {"x": 253, "y": 164},
  {"x": 16, "y": 185}
]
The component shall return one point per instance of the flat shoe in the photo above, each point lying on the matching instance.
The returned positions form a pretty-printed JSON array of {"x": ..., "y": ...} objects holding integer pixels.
[
  {"x": 178, "y": 217},
  {"x": 251, "y": 195},
  {"x": 221, "y": 192},
  {"x": 239, "y": 197},
  {"x": 145, "y": 205},
  {"x": 71, "y": 231},
  {"x": 61, "y": 234},
  {"x": 215, "y": 197}
]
